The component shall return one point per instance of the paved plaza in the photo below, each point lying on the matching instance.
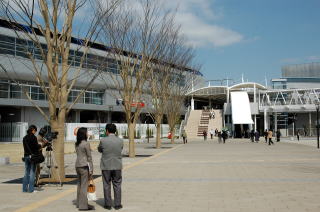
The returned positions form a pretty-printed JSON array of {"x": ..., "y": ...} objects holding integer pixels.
[{"x": 199, "y": 176}]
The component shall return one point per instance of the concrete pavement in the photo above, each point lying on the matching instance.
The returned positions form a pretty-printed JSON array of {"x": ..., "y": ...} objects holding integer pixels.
[{"x": 198, "y": 176}]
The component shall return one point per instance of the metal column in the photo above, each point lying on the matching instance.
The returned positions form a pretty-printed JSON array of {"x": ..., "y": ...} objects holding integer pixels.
[{"x": 275, "y": 122}]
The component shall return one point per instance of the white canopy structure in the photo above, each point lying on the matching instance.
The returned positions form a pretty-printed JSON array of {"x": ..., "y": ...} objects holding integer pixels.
[{"x": 240, "y": 106}]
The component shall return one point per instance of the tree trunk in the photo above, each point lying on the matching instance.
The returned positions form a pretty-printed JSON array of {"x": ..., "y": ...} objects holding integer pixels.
[
  {"x": 158, "y": 138},
  {"x": 131, "y": 131},
  {"x": 57, "y": 170},
  {"x": 172, "y": 135}
]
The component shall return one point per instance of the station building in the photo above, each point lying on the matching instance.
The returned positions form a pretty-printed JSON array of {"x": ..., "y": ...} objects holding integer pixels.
[
  {"x": 97, "y": 105},
  {"x": 288, "y": 105}
]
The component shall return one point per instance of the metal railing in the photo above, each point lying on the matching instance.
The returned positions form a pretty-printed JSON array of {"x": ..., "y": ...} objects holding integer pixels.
[{"x": 12, "y": 131}]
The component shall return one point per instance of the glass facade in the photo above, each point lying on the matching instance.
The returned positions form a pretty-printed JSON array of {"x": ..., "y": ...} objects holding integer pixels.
[
  {"x": 12, "y": 90},
  {"x": 279, "y": 84},
  {"x": 23, "y": 48}
]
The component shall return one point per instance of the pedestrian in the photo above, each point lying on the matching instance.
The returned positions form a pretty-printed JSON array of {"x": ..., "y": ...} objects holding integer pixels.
[
  {"x": 184, "y": 137},
  {"x": 270, "y": 137},
  {"x": 278, "y": 134},
  {"x": 216, "y": 132},
  {"x": 252, "y": 135},
  {"x": 211, "y": 133},
  {"x": 204, "y": 133},
  {"x": 84, "y": 169},
  {"x": 298, "y": 135},
  {"x": 42, "y": 143},
  {"x": 257, "y": 136},
  {"x": 111, "y": 166},
  {"x": 31, "y": 147},
  {"x": 219, "y": 137},
  {"x": 224, "y": 136},
  {"x": 266, "y": 135}
]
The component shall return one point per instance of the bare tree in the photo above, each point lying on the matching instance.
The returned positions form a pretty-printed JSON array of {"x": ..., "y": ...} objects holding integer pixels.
[
  {"x": 163, "y": 73},
  {"x": 48, "y": 25},
  {"x": 182, "y": 77},
  {"x": 134, "y": 38}
]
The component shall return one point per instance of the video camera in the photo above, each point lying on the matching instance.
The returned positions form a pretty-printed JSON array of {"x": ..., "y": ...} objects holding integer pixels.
[{"x": 48, "y": 135}]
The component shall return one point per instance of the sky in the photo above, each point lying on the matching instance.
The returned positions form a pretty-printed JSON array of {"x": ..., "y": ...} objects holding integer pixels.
[{"x": 253, "y": 38}]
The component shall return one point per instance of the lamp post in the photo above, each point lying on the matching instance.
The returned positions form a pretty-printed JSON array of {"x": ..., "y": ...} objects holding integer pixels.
[{"x": 317, "y": 108}]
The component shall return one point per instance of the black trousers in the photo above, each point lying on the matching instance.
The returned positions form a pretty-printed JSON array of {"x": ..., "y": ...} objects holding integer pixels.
[
  {"x": 270, "y": 141},
  {"x": 114, "y": 176}
]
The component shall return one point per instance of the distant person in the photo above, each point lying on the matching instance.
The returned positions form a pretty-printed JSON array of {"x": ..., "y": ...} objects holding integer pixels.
[
  {"x": 224, "y": 136},
  {"x": 204, "y": 133},
  {"x": 31, "y": 147},
  {"x": 298, "y": 135},
  {"x": 219, "y": 137},
  {"x": 278, "y": 134},
  {"x": 266, "y": 135},
  {"x": 216, "y": 132},
  {"x": 252, "y": 135},
  {"x": 211, "y": 133},
  {"x": 257, "y": 136},
  {"x": 184, "y": 137},
  {"x": 270, "y": 137},
  {"x": 111, "y": 166},
  {"x": 84, "y": 168}
]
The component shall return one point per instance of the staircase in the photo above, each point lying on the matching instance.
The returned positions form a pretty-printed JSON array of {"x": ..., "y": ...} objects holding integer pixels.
[
  {"x": 191, "y": 127},
  {"x": 204, "y": 122},
  {"x": 217, "y": 122},
  {"x": 199, "y": 120}
]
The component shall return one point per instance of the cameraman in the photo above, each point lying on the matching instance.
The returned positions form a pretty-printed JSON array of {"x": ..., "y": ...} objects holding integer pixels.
[
  {"x": 42, "y": 143},
  {"x": 30, "y": 146}
]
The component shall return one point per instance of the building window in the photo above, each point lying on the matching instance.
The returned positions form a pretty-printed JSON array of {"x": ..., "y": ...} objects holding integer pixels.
[
  {"x": 97, "y": 98},
  {"x": 15, "y": 91},
  {"x": 4, "y": 89},
  {"x": 279, "y": 85},
  {"x": 36, "y": 93}
]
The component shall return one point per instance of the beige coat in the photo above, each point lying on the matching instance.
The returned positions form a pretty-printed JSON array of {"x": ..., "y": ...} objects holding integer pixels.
[
  {"x": 84, "y": 157},
  {"x": 269, "y": 134}
]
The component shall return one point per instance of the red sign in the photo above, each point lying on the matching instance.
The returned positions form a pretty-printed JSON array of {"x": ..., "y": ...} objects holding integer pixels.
[{"x": 137, "y": 104}]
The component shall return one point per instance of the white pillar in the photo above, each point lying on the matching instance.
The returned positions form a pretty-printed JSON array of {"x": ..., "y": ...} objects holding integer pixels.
[
  {"x": 255, "y": 122},
  {"x": 192, "y": 103},
  {"x": 265, "y": 119},
  {"x": 275, "y": 122},
  {"x": 228, "y": 93},
  {"x": 77, "y": 116},
  {"x": 254, "y": 93},
  {"x": 293, "y": 129},
  {"x": 109, "y": 117},
  {"x": 310, "y": 124}
]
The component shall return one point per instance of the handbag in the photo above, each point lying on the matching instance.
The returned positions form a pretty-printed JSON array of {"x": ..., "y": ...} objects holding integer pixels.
[
  {"x": 36, "y": 158},
  {"x": 91, "y": 191},
  {"x": 39, "y": 158}
]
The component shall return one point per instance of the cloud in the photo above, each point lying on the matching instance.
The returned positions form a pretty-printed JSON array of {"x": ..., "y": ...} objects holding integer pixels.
[
  {"x": 201, "y": 34},
  {"x": 197, "y": 18},
  {"x": 313, "y": 58}
]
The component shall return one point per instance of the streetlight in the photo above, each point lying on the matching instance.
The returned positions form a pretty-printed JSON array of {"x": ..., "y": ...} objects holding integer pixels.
[{"x": 317, "y": 107}]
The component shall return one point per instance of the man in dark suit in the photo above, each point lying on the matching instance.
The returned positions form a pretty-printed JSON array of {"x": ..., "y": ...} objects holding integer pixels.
[{"x": 111, "y": 166}]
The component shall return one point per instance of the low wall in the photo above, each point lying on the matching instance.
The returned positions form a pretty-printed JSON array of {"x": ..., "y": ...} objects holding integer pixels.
[{"x": 15, "y": 150}]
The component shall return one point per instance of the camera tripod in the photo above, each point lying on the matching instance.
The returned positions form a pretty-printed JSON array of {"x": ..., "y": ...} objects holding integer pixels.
[{"x": 50, "y": 163}]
